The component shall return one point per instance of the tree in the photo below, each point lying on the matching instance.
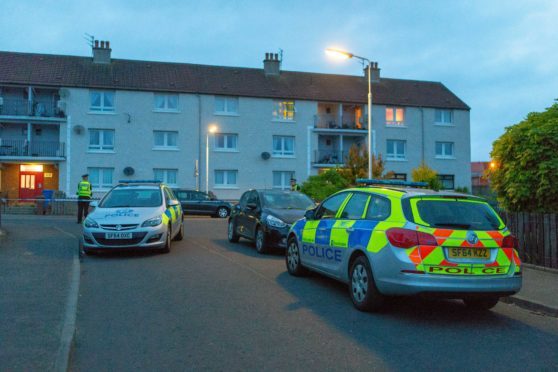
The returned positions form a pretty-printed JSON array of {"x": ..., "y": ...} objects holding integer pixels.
[
  {"x": 323, "y": 185},
  {"x": 526, "y": 163},
  {"x": 356, "y": 165},
  {"x": 423, "y": 173}
]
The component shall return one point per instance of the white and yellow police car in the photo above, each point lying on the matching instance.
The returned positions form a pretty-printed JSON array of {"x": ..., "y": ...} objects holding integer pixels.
[{"x": 134, "y": 214}]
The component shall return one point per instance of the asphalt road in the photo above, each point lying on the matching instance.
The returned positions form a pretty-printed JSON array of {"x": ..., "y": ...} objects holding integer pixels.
[{"x": 213, "y": 305}]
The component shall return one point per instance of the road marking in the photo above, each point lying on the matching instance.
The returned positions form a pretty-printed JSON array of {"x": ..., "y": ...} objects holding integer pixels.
[{"x": 69, "y": 324}]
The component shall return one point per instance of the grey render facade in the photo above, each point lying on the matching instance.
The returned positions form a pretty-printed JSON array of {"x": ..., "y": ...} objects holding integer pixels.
[{"x": 121, "y": 119}]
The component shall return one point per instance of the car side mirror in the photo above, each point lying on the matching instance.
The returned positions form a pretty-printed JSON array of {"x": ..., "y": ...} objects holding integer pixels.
[
  {"x": 94, "y": 204},
  {"x": 172, "y": 203},
  {"x": 310, "y": 214},
  {"x": 252, "y": 206}
]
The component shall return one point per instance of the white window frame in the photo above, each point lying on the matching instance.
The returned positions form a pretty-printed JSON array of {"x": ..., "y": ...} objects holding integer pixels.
[
  {"x": 165, "y": 178},
  {"x": 285, "y": 179},
  {"x": 226, "y": 104},
  {"x": 440, "y": 178},
  {"x": 280, "y": 110},
  {"x": 283, "y": 153},
  {"x": 394, "y": 122},
  {"x": 101, "y": 172},
  {"x": 102, "y": 108},
  {"x": 101, "y": 147},
  {"x": 165, "y": 145},
  {"x": 445, "y": 154},
  {"x": 165, "y": 97},
  {"x": 226, "y": 141},
  {"x": 444, "y": 114},
  {"x": 396, "y": 156},
  {"x": 226, "y": 176}
]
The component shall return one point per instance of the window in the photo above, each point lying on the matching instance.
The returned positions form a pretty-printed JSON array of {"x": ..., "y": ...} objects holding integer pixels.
[
  {"x": 167, "y": 176},
  {"x": 225, "y": 178},
  {"x": 101, "y": 101},
  {"x": 330, "y": 206},
  {"x": 443, "y": 116},
  {"x": 101, "y": 139},
  {"x": 226, "y": 105},
  {"x": 395, "y": 116},
  {"x": 396, "y": 150},
  {"x": 378, "y": 209},
  {"x": 165, "y": 139},
  {"x": 282, "y": 179},
  {"x": 100, "y": 178},
  {"x": 283, "y": 146},
  {"x": 226, "y": 142},
  {"x": 448, "y": 181},
  {"x": 283, "y": 110},
  {"x": 444, "y": 150},
  {"x": 166, "y": 102},
  {"x": 354, "y": 209},
  {"x": 399, "y": 176}
]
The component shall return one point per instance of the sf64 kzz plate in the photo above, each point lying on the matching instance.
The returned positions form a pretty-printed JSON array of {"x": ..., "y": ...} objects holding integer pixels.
[{"x": 480, "y": 253}]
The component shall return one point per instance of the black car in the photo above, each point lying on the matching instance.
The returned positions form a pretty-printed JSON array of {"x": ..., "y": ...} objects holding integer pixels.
[
  {"x": 266, "y": 216},
  {"x": 200, "y": 203}
]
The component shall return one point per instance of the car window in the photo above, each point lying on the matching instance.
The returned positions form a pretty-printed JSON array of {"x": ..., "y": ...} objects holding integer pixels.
[
  {"x": 458, "y": 214},
  {"x": 182, "y": 195},
  {"x": 244, "y": 199},
  {"x": 119, "y": 198},
  {"x": 253, "y": 197},
  {"x": 354, "y": 209},
  {"x": 378, "y": 209},
  {"x": 168, "y": 195},
  {"x": 330, "y": 206},
  {"x": 171, "y": 193}
]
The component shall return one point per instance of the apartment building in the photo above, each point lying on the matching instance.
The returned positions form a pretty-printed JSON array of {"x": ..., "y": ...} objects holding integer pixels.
[{"x": 63, "y": 116}]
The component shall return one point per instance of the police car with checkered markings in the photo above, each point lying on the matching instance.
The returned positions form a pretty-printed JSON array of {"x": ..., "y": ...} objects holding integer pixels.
[
  {"x": 393, "y": 238},
  {"x": 134, "y": 214}
]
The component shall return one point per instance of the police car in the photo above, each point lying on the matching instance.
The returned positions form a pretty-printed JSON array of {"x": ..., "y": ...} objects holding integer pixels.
[
  {"x": 392, "y": 238},
  {"x": 134, "y": 214}
]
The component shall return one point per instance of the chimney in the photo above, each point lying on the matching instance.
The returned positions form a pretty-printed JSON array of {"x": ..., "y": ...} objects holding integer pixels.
[
  {"x": 101, "y": 53},
  {"x": 272, "y": 64},
  {"x": 375, "y": 76}
]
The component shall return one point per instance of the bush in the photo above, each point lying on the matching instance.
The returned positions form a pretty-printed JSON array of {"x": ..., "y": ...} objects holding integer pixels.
[
  {"x": 323, "y": 185},
  {"x": 423, "y": 173},
  {"x": 357, "y": 166}
]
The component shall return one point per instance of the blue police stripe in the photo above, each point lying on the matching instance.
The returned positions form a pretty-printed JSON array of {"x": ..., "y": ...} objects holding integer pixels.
[
  {"x": 168, "y": 213},
  {"x": 361, "y": 235},
  {"x": 297, "y": 228},
  {"x": 323, "y": 237}
]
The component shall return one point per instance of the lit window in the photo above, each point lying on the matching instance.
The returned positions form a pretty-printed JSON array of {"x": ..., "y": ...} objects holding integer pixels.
[
  {"x": 226, "y": 105},
  {"x": 101, "y": 139},
  {"x": 283, "y": 110},
  {"x": 396, "y": 150},
  {"x": 282, "y": 179},
  {"x": 443, "y": 116},
  {"x": 395, "y": 116},
  {"x": 165, "y": 139},
  {"x": 283, "y": 146},
  {"x": 101, "y": 101},
  {"x": 167, "y": 176},
  {"x": 444, "y": 150},
  {"x": 100, "y": 178},
  {"x": 225, "y": 178},
  {"x": 226, "y": 142},
  {"x": 166, "y": 102}
]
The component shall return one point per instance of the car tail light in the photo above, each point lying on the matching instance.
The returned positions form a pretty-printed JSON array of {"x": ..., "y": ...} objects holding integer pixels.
[
  {"x": 510, "y": 241},
  {"x": 405, "y": 238}
]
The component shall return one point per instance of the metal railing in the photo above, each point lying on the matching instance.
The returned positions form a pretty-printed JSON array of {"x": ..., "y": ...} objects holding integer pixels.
[
  {"x": 331, "y": 121},
  {"x": 24, "y": 148},
  {"x": 37, "y": 108},
  {"x": 330, "y": 157}
]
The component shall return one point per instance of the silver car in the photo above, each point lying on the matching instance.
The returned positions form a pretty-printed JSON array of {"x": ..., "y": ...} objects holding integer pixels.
[{"x": 144, "y": 215}]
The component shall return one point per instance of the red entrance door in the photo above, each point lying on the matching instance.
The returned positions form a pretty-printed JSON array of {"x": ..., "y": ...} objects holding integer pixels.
[{"x": 30, "y": 184}]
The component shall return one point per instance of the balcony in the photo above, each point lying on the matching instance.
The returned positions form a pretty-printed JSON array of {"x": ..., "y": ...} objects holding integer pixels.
[
  {"x": 45, "y": 108},
  {"x": 339, "y": 122},
  {"x": 16, "y": 149},
  {"x": 329, "y": 158}
]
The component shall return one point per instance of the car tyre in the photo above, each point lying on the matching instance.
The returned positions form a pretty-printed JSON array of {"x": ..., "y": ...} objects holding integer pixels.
[
  {"x": 362, "y": 288},
  {"x": 222, "y": 212},
  {"x": 292, "y": 259},
  {"x": 231, "y": 232},
  {"x": 167, "y": 247},
  {"x": 180, "y": 234},
  {"x": 261, "y": 244},
  {"x": 481, "y": 303}
]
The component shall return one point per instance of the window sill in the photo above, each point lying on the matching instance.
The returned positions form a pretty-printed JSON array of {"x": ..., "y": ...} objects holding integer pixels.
[
  {"x": 224, "y": 150},
  {"x": 224, "y": 113},
  {"x": 394, "y": 159},
  {"x": 165, "y": 149},
  {"x": 167, "y": 111},
  {"x": 445, "y": 157},
  {"x": 101, "y": 112},
  {"x": 444, "y": 125},
  {"x": 101, "y": 152},
  {"x": 283, "y": 121},
  {"x": 284, "y": 156},
  {"x": 225, "y": 187},
  {"x": 396, "y": 126}
]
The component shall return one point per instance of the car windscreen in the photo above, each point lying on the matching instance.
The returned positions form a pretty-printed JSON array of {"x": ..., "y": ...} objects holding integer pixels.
[
  {"x": 132, "y": 198},
  {"x": 286, "y": 200},
  {"x": 457, "y": 214}
]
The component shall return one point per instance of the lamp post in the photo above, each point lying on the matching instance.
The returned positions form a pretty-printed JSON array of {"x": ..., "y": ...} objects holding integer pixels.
[
  {"x": 211, "y": 130},
  {"x": 347, "y": 55}
]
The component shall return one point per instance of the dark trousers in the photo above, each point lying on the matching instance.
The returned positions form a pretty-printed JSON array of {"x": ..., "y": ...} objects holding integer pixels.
[{"x": 83, "y": 208}]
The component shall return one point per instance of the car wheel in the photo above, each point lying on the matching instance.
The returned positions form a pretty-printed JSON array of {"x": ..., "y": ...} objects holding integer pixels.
[
  {"x": 222, "y": 212},
  {"x": 180, "y": 234},
  {"x": 167, "y": 247},
  {"x": 231, "y": 232},
  {"x": 481, "y": 303},
  {"x": 261, "y": 247},
  {"x": 292, "y": 259},
  {"x": 362, "y": 288}
]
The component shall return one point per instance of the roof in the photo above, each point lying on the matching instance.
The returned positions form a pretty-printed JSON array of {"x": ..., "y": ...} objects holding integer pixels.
[
  {"x": 408, "y": 192},
  {"x": 81, "y": 72}
]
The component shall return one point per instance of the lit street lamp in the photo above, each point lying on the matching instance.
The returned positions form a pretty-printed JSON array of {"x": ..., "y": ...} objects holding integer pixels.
[
  {"x": 211, "y": 130},
  {"x": 346, "y": 55}
]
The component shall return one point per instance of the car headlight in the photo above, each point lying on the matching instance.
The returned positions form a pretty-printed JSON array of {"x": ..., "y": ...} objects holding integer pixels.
[
  {"x": 275, "y": 222},
  {"x": 90, "y": 223},
  {"x": 155, "y": 221}
]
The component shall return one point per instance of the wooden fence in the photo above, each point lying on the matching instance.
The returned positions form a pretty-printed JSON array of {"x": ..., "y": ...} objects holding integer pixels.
[{"x": 537, "y": 234}]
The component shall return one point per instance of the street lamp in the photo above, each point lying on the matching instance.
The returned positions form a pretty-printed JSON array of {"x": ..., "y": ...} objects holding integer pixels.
[
  {"x": 211, "y": 130},
  {"x": 346, "y": 55}
]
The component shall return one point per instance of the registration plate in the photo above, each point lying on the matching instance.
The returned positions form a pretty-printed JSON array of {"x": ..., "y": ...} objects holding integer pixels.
[
  {"x": 118, "y": 235},
  {"x": 469, "y": 253}
]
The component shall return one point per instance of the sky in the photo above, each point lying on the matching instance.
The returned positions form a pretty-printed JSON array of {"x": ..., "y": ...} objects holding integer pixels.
[{"x": 500, "y": 57}]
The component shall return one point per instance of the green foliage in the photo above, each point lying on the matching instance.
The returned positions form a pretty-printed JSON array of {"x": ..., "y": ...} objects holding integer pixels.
[
  {"x": 463, "y": 190},
  {"x": 356, "y": 166},
  {"x": 323, "y": 185},
  {"x": 423, "y": 173},
  {"x": 525, "y": 177}
]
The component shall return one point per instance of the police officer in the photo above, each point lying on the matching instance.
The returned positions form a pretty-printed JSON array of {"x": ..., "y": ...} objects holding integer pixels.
[
  {"x": 294, "y": 185},
  {"x": 84, "y": 196}
]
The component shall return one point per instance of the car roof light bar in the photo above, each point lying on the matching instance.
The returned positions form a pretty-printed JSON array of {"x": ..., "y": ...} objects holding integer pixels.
[{"x": 374, "y": 182}]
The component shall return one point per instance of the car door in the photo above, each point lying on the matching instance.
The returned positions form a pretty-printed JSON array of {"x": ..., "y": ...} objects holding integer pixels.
[
  {"x": 253, "y": 214},
  {"x": 206, "y": 205},
  {"x": 175, "y": 210},
  {"x": 240, "y": 214},
  {"x": 316, "y": 234}
]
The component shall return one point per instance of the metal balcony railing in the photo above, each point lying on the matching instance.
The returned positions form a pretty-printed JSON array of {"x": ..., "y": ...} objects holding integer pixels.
[
  {"x": 330, "y": 121},
  {"x": 24, "y": 148},
  {"x": 330, "y": 157},
  {"x": 22, "y": 107}
]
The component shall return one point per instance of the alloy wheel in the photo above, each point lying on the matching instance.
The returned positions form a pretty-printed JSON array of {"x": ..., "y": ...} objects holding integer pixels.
[
  {"x": 222, "y": 212},
  {"x": 292, "y": 256},
  {"x": 359, "y": 283}
]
